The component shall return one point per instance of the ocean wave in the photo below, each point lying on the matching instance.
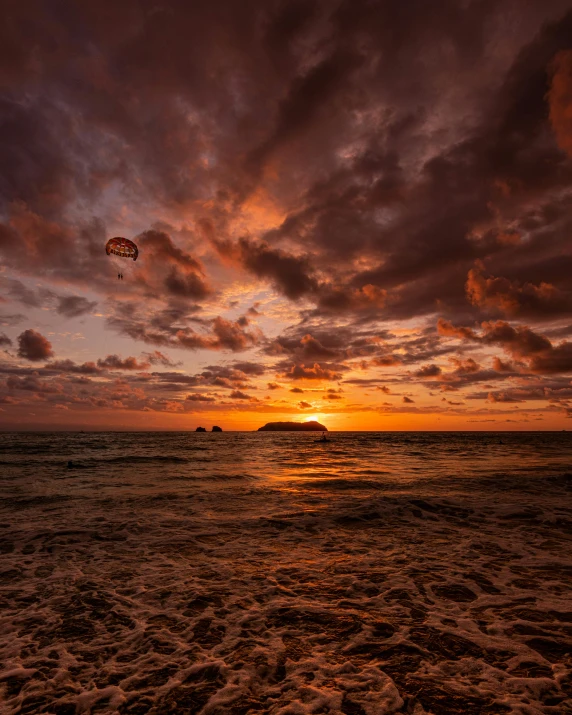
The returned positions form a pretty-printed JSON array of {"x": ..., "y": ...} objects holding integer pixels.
[{"x": 142, "y": 459}]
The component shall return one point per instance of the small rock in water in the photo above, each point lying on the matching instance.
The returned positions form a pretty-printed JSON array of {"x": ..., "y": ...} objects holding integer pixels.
[
  {"x": 217, "y": 429},
  {"x": 201, "y": 429}
]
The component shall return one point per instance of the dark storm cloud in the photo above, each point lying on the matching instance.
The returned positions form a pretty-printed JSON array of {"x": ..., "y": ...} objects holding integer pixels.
[
  {"x": 160, "y": 245},
  {"x": 560, "y": 98},
  {"x": 238, "y": 395},
  {"x": 434, "y": 246},
  {"x": 536, "y": 351},
  {"x": 428, "y": 371},
  {"x": 224, "y": 334},
  {"x": 32, "y": 383},
  {"x": 37, "y": 169},
  {"x": 333, "y": 394},
  {"x": 72, "y": 306},
  {"x": 305, "y": 348},
  {"x": 21, "y": 293},
  {"x": 464, "y": 366},
  {"x": 69, "y": 384},
  {"x": 232, "y": 377},
  {"x": 387, "y": 361},
  {"x": 197, "y": 397},
  {"x": 183, "y": 274},
  {"x": 417, "y": 154},
  {"x": 59, "y": 366},
  {"x": 506, "y": 366},
  {"x": 249, "y": 368},
  {"x": 11, "y": 319},
  {"x": 4, "y": 341},
  {"x": 186, "y": 286},
  {"x": 316, "y": 371},
  {"x": 232, "y": 335},
  {"x": 500, "y": 295},
  {"x": 555, "y": 390},
  {"x": 328, "y": 340},
  {"x": 292, "y": 275},
  {"x": 158, "y": 358},
  {"x": 114, "y": 362},
  {"x": 177, "y": 380},
  {"x": 34, "y": 346},
  {"x": 69, "y": 306}
]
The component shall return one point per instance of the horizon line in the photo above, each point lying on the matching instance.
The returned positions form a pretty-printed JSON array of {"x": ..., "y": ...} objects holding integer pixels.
[{"x": 194, "y": 431}]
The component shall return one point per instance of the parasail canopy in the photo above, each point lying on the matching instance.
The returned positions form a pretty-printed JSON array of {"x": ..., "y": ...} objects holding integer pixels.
[{"x": 122, "y": 247}]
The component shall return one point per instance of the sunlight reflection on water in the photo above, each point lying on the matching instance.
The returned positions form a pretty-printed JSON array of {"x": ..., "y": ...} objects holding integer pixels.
[{"x": 155, "y": 461}]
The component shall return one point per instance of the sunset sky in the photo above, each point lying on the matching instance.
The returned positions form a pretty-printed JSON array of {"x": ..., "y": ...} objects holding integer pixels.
[{"x": 357, "y": 212}]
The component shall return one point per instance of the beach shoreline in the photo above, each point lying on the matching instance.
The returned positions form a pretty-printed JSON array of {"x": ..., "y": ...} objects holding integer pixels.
[{"x": 322, "y": 594}]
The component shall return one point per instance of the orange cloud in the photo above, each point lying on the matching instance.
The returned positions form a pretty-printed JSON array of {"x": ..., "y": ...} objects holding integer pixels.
[
  {"x": 505, "y": 296},
  {"x": 560, "y": 100},
  {"x": 315, "y": 372}
]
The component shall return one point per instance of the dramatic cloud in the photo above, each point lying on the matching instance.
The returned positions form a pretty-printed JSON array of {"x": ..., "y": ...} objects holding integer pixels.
[
  {"x": 34, "y": 346},
  {"x": 72, "y": 306},
  {"x": 560, "y": 98},
  {"x": 86, "y": 368},
  {"x": 225, "y": 334},
  {"x": 522, "y": 343},
  {"x": 197, "y": 397},
  {"x": 447, "y": 329},
  {"x": 367, "y": 191},
  {"x": 333, "y": 394},
  {"x": 428, "y": 371},
  {"x": 501, "y": 397},
  {"x": 503, "y": 296},
  {"x": 465, "y": 366},
  {"x": 249, "y": 368},
  {"x": 313, "y": 372},
  {"x": 114, "y": 362},
  {"x": 158, "y": 358},
  {"x": 238, "y": 395},
  {"x": 291, "y": 274}
]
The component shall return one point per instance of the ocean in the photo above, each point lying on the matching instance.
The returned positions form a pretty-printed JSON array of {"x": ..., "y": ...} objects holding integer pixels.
[{"x": 242, "y": 573}]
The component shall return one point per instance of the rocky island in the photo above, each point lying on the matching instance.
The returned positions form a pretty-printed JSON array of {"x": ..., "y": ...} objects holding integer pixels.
[{"x": 310, "y": 426}]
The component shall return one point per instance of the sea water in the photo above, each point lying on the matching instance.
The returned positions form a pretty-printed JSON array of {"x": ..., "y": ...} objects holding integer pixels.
[{"x": 267, "y": 572}]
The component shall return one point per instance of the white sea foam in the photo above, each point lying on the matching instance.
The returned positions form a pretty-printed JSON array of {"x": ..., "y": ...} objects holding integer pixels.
[{"x": 395, "y": 584}]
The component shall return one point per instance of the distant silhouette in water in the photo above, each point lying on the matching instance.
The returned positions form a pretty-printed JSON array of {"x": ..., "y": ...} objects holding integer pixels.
[
  {"x": 217, "y": 429},
  {"x": 309, "y": 426},
  {"x": 201, "y": 429},
  {"x": 323, "y": 438}
]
